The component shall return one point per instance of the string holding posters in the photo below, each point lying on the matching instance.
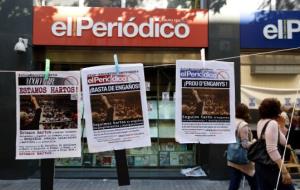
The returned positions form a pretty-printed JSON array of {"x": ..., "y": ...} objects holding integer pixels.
[
  {"x": 205, "y": 102},
  {"x": 48, "y": 123},
  {"x": 115, "y": 107}
]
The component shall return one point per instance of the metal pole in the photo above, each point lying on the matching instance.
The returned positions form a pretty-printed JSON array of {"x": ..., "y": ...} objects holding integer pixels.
[
  {"x": 122, "y": 168},
  {"x": 47, "y": 174}
]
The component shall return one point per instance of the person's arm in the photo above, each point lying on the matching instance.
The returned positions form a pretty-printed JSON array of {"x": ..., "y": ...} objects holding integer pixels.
[
  {"x": 286, "y": 177},
  {"x": 195, "y": 93},
  {"x": 106, "y": 102},
  {"x": 37, "y": 115},
  {"x": 35, "y": 102},
  {"x": 244, "y": 136},
  {"x": 281, "y": 123},
  {"x": 271, "y": 136},
  {"x": 110, "y": 109},
  {"x": 199, "y": 105}
]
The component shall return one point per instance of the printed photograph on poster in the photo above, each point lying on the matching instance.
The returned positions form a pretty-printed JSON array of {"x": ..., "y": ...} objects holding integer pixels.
[
  {"x": 205, "y": 101},
  {"x": 109, "y": 109},
  {"x": 59, "y": 112},
  {"x": 209, "y": 106},
  {"x": 115, "y": 107},
  {"x": 48, "y": 125}
]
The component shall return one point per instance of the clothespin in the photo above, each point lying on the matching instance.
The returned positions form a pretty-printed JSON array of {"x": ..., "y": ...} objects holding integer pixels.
[
  {"x": 116, "y": 63},
  {"x": 47, "y": 68},
  {"x": 202, "y": 53}
]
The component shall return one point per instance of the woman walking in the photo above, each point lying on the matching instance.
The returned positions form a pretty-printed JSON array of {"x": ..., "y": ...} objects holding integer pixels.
[
  {"x": 268, "y": 129},
  {"x": 244, "y": 135}
]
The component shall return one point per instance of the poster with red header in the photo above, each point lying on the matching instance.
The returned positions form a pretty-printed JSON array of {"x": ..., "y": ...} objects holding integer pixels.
[
  {"x": 115, "y": 107},
  {"x": 48, "y": 117}
]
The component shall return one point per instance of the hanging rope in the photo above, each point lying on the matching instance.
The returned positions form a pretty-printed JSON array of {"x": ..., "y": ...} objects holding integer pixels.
[
  {"x": 233, "y": 57},
  {"x": 287, "y": 139}
]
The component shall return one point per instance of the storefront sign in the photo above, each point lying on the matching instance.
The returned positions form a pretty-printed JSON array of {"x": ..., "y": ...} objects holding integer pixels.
[
  {"x": 84, "y": 26},
  {"x": 270, "y": 29}
]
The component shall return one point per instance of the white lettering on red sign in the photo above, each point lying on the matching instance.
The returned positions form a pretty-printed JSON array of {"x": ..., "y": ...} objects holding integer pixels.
[{"x": 150, "y": 29}]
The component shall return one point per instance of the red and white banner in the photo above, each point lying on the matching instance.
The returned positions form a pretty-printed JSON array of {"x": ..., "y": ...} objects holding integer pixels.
[{"x": 98, "y": 26}]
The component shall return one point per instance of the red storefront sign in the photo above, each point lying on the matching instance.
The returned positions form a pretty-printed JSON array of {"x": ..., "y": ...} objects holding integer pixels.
[{"x": 97, "y": 26}]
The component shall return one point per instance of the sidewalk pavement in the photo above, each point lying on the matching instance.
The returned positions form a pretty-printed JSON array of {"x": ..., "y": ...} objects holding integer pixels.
[{"x": 112, "y": 184}]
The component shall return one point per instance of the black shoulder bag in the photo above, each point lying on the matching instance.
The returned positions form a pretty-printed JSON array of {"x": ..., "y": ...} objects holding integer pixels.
[{"x": 258, "y": 151}]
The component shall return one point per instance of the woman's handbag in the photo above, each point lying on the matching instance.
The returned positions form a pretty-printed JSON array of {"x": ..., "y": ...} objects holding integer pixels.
[
  {"x": 257, "y": 152},
  {"x": 236, "y": 153}
]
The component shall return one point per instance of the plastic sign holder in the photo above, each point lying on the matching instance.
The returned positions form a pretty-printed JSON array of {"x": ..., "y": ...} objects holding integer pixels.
[{"x": 47, "y": 68}]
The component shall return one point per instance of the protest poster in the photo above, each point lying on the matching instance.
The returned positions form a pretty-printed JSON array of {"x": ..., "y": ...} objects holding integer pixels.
[
  {"x": 205, "y": 102},
  {"x": 47, "y": 113},
  {"x": 115, "y": 107}
]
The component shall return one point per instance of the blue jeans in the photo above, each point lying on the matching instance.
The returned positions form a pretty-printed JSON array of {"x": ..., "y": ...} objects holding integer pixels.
[
  {"x": 267, "y": 178},
  {"x": 236, "y": 178}
]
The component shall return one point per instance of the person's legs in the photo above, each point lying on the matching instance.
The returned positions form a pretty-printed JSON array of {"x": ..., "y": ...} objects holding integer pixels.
[
  {"x": 264, "y": 177},
  {"x": 252, "y": 182},
  {"x": 235, "y": 178}
]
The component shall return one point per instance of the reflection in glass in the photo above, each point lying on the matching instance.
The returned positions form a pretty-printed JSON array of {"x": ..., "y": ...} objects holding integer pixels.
[
  {"x": 56, "y": 3},
  {"x": 102, "y": 3},
  {"x": 151, "y": 4}
]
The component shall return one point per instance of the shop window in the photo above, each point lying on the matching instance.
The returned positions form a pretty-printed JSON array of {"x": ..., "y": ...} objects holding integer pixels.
[
  {"x": 149, "y": 4},
  {"x": 102, "y": 3},
  {"x": 144, "y": 3},
  {"x": 56, "y": 3},
  {"x": 164, "y": 152}
]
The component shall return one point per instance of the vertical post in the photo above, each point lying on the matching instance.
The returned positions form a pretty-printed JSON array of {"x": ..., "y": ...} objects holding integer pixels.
[
  {"x": 120, "y": 155},
  {"x": 223, "y": 45},
  {"x": 122, "y": 168},
  {"x": 47, "y": 174}
]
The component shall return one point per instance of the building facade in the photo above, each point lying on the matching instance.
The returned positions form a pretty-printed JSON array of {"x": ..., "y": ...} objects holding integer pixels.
[
  {"x": 261, "y": 75},
  {"x": 270, "y": 59}
]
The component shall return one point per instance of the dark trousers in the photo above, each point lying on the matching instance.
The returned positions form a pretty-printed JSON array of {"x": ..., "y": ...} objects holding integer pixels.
[
  {"x": 267, "y": 178},
  {"x": 236, "y": 178}
]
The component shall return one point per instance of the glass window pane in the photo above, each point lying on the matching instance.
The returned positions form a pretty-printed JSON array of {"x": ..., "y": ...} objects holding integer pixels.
[
  {"x": 102, "y": 3},
  {"x": 56, "y": 2},
  {"x": 144, "y": 3},
  {"x": 161, "y": 3}
]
